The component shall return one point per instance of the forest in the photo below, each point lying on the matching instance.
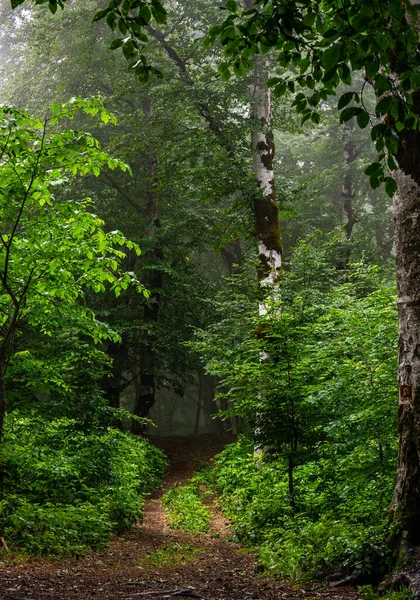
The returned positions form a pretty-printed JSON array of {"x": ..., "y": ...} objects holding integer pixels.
[{"x": 209, "y": 299}]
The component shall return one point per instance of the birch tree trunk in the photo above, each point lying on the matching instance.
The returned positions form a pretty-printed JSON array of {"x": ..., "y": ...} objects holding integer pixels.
[
  {"x": 346, "y": 202},
  {"x": 266, "y": 213},
  {"x": 267, "y": 227}
]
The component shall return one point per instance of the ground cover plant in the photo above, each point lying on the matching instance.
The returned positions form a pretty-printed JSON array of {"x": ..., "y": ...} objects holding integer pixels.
[
  {"x": 70, "y": 488},
  {"x": 185, "y": 508}
]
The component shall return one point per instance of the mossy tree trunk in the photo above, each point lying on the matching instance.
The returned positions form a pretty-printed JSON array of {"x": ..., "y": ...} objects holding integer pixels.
[{"x": 267, "y": 226}]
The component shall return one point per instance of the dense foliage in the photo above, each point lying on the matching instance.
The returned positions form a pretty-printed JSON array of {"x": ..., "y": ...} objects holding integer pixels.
[
  {"x": 185, "y": 508},
  {"x": 322, "y": 407},
  {"x": 70, "y": 487}
]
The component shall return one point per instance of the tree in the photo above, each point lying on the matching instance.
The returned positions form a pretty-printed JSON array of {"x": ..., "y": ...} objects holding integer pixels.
[
  {"x": 51, "y": 251},
  {"x": 188, "y": 155},
  {"x": 128, "y": 17}
]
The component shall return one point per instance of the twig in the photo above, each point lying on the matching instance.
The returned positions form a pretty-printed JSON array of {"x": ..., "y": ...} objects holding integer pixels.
[
  {"x": 176, "y": 592},
  {"x": 3, "y": 544}
]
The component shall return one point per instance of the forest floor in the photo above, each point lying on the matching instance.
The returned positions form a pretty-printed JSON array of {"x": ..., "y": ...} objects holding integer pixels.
[{"x": 152, "y": 561}]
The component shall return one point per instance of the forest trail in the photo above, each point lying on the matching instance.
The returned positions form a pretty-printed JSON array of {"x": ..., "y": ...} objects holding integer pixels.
[{"x": 152, "y": 561}]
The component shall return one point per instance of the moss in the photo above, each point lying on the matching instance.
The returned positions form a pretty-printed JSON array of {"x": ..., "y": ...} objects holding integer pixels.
[{"x": 267, "y": 227}]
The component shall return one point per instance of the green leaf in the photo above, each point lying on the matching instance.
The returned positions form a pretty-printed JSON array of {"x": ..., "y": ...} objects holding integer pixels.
[
  {"x": 349, "y": 113},
  {"x": 122, "y": 26},
  {"x": 392, "y": 163},
  {"x": 381, "y": 84},
  {"x": 331, "y": 56},
  {"x": 378, "y": 131},
  {"x": 363, "y": 119},
  {"x": 145, "y": 13},
  {"x": 111, "y": 20},
  {"x": 224, "y": 71},
  {"x": 272, "y": 81},
  {"x": 331, "y": 33},
  {"x": 345, "y": 74},
  {"x": 375, "y": 182},
  {"x": 159, "y": 13},
  {"x": 100, "y": 15},
  {"x": 280, "y": 90},
  {"x": 384, "y": 106},
  {"x": 392, "y": 141},
  {"x": 345, "y": 99},
  {"x": 116, "y": 43},
  {"x": 373, "y": 168},
  {"x": 390, "y": 186},
  {"x": 238, "y": 68}
]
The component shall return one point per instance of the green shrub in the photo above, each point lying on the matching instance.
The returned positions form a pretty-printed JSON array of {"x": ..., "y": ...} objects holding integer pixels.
[
  {"x": 335, "y": 519},
  {"x": 54, "y": 529},
  {"x": 68, "y": 490}
]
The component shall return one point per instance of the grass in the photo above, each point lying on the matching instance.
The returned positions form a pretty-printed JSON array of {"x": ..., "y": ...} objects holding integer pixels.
[
  {"x": 185, "y": 509},
  {"x": 173, "y": 554}
]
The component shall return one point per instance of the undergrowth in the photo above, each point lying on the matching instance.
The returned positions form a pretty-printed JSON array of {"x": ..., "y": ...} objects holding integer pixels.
[
  {"x": 68, "y": 490},
  {"x": 185, "y": 508},
  {"x": 173, "y": 554},
  {"x": 367, "y": 592},
  {"x": 336, "y": 522}
]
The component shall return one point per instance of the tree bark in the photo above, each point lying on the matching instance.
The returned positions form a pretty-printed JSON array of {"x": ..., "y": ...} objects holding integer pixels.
[
  {"x": 2, "y": 415},
  {"x": 348, "y": 213},
  {"x": 112, "y": 382},
  {"x": 266, "y": 213},
  {"x": 405, "y": 506}
]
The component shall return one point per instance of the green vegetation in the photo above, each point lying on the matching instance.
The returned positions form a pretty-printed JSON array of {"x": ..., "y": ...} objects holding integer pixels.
[
  {"x": 185, "y": 508},
  {"x": 70, "y": 488},
  {"x": 316, "y": 497},
  {"x": 128, "y": 272},
  {"x": 368, "y": 593},
  {"x": 337, "y": 521}
]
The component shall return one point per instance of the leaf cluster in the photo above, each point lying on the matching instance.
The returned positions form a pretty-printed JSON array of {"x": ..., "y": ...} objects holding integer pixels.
[{"x": 317, "y": 45}]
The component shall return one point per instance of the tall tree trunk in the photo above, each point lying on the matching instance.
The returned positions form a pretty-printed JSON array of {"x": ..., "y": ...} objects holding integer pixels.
[
  {"x": 2, "y": 415},
  {"x": 266, "y": 213},
  {"x": 405, "y": 507},
  {"x": 145, "y": 384},
  {"x": 112, "y": 382},
  {"x": 348, "y": 213}
]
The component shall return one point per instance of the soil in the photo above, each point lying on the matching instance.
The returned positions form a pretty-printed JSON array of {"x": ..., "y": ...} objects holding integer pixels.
[{"x": 152, "y": 561}]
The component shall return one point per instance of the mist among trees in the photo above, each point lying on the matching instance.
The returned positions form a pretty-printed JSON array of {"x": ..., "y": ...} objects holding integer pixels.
[{"x": 209, "y": 225}]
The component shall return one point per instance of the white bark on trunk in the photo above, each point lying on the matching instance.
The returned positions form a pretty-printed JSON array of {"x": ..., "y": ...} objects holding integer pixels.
[{"x": 267, "y": 228}]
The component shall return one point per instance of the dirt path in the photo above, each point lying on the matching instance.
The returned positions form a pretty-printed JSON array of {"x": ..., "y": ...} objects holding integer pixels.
[{"x": 151, "y": 559}]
